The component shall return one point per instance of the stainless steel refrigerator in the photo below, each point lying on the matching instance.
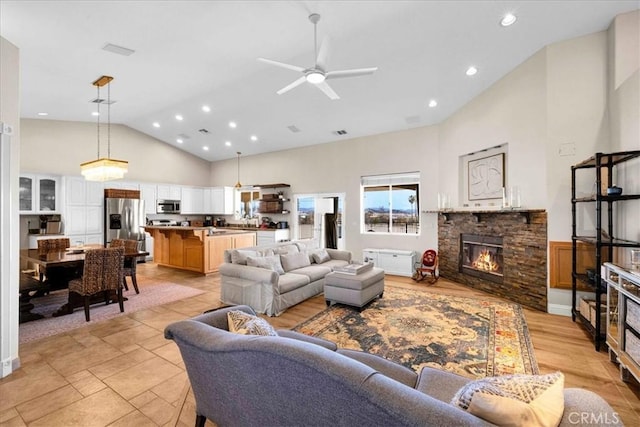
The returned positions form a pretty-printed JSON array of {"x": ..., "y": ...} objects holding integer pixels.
[{"x": 124, "y": 219}]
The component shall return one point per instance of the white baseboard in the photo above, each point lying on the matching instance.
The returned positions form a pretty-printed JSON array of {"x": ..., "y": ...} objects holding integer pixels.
[{"x": 559, "y": 309}]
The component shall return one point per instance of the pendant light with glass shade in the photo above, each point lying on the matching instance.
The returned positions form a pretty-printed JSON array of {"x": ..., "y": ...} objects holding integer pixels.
[
  {"x": 238, "y": 185},
  {"x": 105, "y": 168}
]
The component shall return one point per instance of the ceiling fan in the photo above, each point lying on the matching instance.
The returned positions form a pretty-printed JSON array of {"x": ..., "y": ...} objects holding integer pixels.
[{"x": 318, "y": 74}]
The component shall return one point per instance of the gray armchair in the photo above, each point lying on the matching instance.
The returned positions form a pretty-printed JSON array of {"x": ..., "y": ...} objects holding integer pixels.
[{"x": 293, "y": 380}]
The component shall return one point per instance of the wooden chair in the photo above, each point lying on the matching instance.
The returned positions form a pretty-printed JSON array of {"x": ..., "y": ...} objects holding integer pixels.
[
  {"x": 428, "y": 267},
  {"x": 130, "y": 264},
  {"x": 102, "y": 273}
]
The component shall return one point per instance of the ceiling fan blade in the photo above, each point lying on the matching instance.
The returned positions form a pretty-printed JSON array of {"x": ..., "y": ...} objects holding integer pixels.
[
  {"x": 350, "y": 73},
  {"x": 327, "y": 90},
  {"x": 281, "y": 64},
  {"x": 292, "y": 85},
  {"x": 323, "y": 54}
]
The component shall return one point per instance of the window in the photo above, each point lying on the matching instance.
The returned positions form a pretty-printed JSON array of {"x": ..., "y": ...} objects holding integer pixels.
[{"x": 390, "y": 203}]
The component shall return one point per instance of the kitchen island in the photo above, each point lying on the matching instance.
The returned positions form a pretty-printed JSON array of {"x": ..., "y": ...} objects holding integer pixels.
[{"x": 199, "y": 249}]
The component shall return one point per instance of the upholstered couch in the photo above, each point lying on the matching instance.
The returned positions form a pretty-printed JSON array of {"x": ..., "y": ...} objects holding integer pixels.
[
  {"x": 292, "y": 380},
  {"x": 275, "y": 277}
]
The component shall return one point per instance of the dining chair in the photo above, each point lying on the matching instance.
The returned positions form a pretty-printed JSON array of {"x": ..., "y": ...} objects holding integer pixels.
[
  {"x": 102, "y": 273},
  {"x": 130, "y": 263},
  {"x": 61, "y": 273}
]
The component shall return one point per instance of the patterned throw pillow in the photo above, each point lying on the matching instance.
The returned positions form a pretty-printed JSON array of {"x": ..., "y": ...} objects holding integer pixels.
[
  {"x": 510, "y": 400},
  {"x": 247, "y": 324},
  {"x": 320, "y": 256},
  {"x": 269, "y": 262}
]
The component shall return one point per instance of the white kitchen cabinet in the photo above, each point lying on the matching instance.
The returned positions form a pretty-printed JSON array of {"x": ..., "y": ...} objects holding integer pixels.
[
  {"x": 148, "y": 195},
  {"x": 95, "y": 193},
  {"x": 84, "y": 210},
  {"x": 39, "y": 194},
  {"x": 94, "y": 221},
  {"x": 80, "y": 192},
  {"x": 169, "y": 192},
  {"x": 221, "y": 201},
  {"x": 123, "y": 185},
  {"x": 75, "y": 220},
  {"x": 192, "y": 201},
  {"x": 272, "y": 236}
]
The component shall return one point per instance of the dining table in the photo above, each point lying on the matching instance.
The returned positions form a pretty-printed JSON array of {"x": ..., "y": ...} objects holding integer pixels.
[{"x": 61, "y": 266}]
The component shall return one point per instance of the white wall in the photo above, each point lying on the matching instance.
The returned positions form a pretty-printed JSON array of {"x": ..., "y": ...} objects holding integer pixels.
[
  {"x": 9, "y": 242},
  {"x": 337, "y": 167},
  {"x": 58, "y": 147}
]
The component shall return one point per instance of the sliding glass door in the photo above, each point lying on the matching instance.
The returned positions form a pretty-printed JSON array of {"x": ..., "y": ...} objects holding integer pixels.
[{"x": 320, "y": 217}]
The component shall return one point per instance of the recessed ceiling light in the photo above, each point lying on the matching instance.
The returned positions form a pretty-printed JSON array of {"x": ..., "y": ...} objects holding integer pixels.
[
  {"x": 471, "y": 71},
  {"x": 233, "y": 125},
  {"x": 508, "y": 19},
  {"x": 43, "y": 114},
  {"x": 433, "y": 103},
  {"x": 254, "y": 138},
  {"x": 227, "y": 143},
  {"x": 179, "y": 117},
  {"x": 156, "y": 124},
  {"x": 95, "y": 113},
  {"x": 206, "y": 108},
  {"x": 205, "y": 148},
  {"x": 179, "y": 140}
]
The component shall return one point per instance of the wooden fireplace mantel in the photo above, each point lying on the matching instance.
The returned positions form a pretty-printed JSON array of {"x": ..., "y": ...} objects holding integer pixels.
[{"x": 479, "y": 212}]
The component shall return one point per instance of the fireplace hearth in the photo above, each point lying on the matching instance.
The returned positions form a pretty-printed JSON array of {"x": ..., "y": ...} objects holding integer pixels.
[{"x": 482, "y": 256}]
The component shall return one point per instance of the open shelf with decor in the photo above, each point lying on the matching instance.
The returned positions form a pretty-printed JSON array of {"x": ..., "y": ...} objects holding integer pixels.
[
  {"x": 602, "y": 239},
  {"x": 272, "y": 203}
]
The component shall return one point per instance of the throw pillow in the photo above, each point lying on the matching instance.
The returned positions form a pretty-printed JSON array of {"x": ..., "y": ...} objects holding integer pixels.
[
  {"x": 321, "y": 255},
  {"x": 510, "y": 400},
  {"x": 286, "y": 249},
  {"x": 239, "y": 256},
  {"x": 247, "y": 324},
  {"x": 294, "y": 261},
  {"x": 269, "y": 262}
]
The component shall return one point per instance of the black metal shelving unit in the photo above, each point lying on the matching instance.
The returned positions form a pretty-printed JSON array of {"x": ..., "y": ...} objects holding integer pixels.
[{"x": 604, "y": 237}]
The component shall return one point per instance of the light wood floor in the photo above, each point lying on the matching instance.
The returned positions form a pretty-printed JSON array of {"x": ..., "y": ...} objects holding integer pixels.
[{"x": 123, "y": 372}]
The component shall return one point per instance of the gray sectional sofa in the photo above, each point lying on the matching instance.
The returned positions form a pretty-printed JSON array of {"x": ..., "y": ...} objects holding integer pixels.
[
  {"x": 291, "y": 379},
  {"x": 272, "y": 278}
]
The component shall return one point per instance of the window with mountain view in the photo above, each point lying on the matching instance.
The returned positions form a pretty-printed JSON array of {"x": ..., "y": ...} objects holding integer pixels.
[{"x": 390, "y": 203}]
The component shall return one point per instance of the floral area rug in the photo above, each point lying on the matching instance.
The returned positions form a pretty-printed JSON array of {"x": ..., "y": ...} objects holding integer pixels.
[{"x": 470, "y": 337}]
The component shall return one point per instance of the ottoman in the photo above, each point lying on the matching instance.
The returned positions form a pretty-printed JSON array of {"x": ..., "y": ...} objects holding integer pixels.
[{"x": 354, "y": 289}]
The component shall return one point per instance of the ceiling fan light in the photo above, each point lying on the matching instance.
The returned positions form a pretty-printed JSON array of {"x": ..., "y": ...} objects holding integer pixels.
[{"x": 315, "y": 77}]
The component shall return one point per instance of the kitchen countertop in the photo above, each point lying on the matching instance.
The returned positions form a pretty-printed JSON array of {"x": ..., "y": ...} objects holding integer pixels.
[{"x": 217, "y": 230}]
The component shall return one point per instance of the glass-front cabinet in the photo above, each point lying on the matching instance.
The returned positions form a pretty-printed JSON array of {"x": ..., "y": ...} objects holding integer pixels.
[{"x": 39, "y": 194}]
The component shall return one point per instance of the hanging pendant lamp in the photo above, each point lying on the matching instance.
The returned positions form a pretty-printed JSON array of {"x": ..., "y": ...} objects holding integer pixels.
[
  {"x": 105, "y": 168},
  {"x": 238, "y": 185}
]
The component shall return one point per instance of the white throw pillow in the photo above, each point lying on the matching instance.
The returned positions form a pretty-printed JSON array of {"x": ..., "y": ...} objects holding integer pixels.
[
  {"x": 239, "y": 256},
  {"x": 294, "y": 261},
  {"x": 321, "y": 255},
  {"x": 515, "y": 400},
  {"x": 269, "y": 262},
  {"x": 286, "y": 249},
  {"x": 247, "y": 324}
]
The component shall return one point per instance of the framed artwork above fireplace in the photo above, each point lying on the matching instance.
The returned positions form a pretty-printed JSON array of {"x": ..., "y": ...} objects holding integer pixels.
[{"x": 485, "y": 177}]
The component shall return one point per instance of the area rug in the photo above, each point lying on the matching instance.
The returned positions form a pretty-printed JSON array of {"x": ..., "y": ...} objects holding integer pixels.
[
  {"x": 470, "y": 337},
  {"x": 152, "y": 293}
]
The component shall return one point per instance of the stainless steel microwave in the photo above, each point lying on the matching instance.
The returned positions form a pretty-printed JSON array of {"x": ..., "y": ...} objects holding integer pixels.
[{"x": 168, "y": 206}]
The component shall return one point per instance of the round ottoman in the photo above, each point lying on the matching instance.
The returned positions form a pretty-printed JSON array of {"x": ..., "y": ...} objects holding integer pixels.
[{"x": 356, "y": 290}]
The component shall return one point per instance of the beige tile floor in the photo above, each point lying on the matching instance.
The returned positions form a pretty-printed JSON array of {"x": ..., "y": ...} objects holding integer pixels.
[{"x": 121, "y": 372}]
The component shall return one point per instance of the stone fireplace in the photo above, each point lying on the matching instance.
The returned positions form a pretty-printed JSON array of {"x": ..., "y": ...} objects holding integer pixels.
[
  {"x": 509, "y": 249},
  {"x": 481, "y": 256}
]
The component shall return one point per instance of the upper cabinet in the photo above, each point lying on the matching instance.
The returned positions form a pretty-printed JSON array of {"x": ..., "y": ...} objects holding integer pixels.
[
  {"x": 148, "y": 195},
  {"x": 80, "y": 192},
  {"x": 192, "y": 201},
  {"x": 219, "y": 201},
  {"x": 39, "y": 194},
  {"x": 169, "y": 192}
]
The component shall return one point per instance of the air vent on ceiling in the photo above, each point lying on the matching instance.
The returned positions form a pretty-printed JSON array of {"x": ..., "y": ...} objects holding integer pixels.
[
  {"x": 203, "y": 131},
  {"x": 293, "y": 129},
  {"x": 340, "y": 132},
  {"x": 102, "y": 101},
  {"x": 118, "y": 49}
]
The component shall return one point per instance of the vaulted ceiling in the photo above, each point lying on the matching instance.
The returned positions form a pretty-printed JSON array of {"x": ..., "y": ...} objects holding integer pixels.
[{"x": 188, "y": 54}]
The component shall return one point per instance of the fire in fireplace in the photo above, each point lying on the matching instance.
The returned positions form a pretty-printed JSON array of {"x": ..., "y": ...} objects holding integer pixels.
[{"x": 481, "y": 256}]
